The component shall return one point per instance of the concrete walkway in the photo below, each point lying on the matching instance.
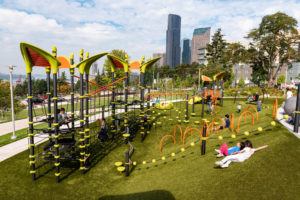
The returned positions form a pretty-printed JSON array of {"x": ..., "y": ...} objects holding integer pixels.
[
  {"x": 19, "y": 146},
  {"x": 280, "y": 113}
]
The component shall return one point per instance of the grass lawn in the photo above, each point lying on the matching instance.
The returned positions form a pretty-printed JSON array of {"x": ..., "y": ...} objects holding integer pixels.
[{"x": 272, "y": 173}]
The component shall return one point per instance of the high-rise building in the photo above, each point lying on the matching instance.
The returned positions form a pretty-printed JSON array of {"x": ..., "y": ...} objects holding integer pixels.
[
  {"x": 186, "y": 52},
  {"x": 201, "y": 37},
  {"x": 162, "y": 61},
  {"x": 173, "y": 40}
]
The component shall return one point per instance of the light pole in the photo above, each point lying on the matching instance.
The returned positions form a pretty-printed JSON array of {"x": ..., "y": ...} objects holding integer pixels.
[{"x": 11, "y": 68}]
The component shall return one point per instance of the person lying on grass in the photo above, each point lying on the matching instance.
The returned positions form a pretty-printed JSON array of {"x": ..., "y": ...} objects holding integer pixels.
[
  {"x": 240, "y": 156},
  {"x": 225, "y": 151}
]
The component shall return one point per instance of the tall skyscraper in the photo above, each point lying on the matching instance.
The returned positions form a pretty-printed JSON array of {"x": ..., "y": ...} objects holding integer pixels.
[
  {"x": 162, "y": 61},
  {"x": 173, "y": 40},
  {"x": 201, "y": 37},
  {"x": 186, "y": 52}
]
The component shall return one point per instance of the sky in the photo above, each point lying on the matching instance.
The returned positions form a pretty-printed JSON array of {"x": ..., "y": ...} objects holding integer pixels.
[{"x": 136, "y": 26}]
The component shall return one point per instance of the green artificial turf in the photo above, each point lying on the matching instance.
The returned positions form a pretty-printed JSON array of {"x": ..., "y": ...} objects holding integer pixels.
[{"x": 272, "y": 173}]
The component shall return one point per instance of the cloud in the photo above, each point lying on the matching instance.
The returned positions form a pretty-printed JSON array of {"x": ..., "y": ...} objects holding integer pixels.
[{"x": 138, "y": 27}]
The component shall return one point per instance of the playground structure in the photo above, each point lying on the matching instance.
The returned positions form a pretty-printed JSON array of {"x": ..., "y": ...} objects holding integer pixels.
[{"x": 74, "y": 143}]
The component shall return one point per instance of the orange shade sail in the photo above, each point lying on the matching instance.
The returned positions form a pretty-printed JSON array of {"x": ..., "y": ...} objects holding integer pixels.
[
  {"x": 64, "y": 62},
  {"x": 205, "y": 78}
]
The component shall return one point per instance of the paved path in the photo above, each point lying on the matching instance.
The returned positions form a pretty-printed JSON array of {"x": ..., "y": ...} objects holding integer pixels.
[
  {"x": 280, "y": 113},
  {"x": 19, "y": 146}
]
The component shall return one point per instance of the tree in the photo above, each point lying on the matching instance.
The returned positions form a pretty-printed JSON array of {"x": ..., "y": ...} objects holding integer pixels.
[
  {"x": 119, "y": 73},
  {"x": 216, "y": 49},
  {"x": 98, "y": 78},
  {"x": 177, "y": 82},
  {"x": 241, "y": 82},
  {"x": 281, "y": 79},
  {"x": 235, "y": 53},
  {"x": 273, "y": 40}
]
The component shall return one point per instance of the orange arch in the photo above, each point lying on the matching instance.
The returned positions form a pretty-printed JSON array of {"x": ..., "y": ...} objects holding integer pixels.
[
  {"x": 178, "y": 126},
  {"x": 254, "y": 110},
  {"x": 244, "y": 113},
  {"x": 162, "y": 139},
  {"x": 190, "y": 129}
]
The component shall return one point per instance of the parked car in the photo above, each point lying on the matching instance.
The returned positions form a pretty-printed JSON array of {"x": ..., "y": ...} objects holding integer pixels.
[{"x": 37, "y": 100}]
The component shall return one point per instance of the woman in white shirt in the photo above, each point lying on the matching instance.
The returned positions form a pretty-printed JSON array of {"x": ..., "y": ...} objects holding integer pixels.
[{"x": 240, "y": 156}]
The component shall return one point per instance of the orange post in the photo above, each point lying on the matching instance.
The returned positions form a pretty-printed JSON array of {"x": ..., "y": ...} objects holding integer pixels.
[
  {"x": 219, "y": 118},
  {"x": 232, "y": 122},
  {"x": 162, "y": 139},
  {"x": 244, "y": 113},
  {"x": 275, "y": 107}
]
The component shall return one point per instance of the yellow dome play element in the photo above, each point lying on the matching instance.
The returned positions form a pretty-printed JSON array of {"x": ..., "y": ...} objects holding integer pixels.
[
  {"x": 153, "y": 160},
  {"x": 259, "y": 129},
  {"x": 144, "y": 162},
  {"x": 192, "y": 144},
  {"x": 163, "y": 158},
  {"x": 134, "y": 163},
  {"x": 233, "y": 136},
  {"x": 286, "y": 117},
  {"x": 246, "y": 133},
  {"x": 273, "y": 123},
  {"x": 182, "y": 149},
  {"x": 121, "y": 169},
  {"x": 220, "y": 137},
  {"x": 118, "y": 164},
  {"x": 126, "y": 135},
  {"x": 172, "y": 154}
]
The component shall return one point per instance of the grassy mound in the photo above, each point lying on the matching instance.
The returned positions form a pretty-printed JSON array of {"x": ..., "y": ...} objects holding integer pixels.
[{"x": 272, "y": 173}]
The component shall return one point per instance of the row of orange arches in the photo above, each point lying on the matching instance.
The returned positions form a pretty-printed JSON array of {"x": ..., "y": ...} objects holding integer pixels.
[{"x": 210, "y": 126}]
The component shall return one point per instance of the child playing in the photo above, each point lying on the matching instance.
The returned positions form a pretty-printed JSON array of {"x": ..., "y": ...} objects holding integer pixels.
[
  {"x": 239, "y": 107},
  {"x": 240, "y": 156},
  {"x": 225, "y": 151}
]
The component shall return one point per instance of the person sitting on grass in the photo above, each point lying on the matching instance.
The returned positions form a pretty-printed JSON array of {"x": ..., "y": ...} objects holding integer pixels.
[
  {"x": 227, "y": 122},
  {"x": 225, "y": 151},
  {"x": 259, "y": 106},
  {"x": 240, "y": 156}
]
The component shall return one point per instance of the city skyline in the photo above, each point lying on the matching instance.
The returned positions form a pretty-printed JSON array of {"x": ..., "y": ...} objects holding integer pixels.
[{"x": 139, "y": 28}]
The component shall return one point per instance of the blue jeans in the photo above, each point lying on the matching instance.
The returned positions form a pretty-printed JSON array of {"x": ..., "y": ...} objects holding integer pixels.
[{"x": 209, "y": 106}]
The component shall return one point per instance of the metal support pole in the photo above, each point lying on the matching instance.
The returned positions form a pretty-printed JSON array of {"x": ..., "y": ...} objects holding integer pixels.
[
  {"x": 126, "y": 104},
  {"x": 103, "y": 110},
  {"x": 187, "y": 109},
  {"x": 193, "y": 111},
  {"x": 113, "y": 112},
  {"x": 56, "y": 125},
  {"x": 199, "y": 80},
  {"x": 203, "y": 147},
  {"x": 48, "y": 69},
  {"x": 221, "y": 92},
  {"x": 297, "y": 116},
  {"x": 12, "y": 102},
  {"x": 203, "y": 96},
  {"x": 72, "y": 96},
  {"x": 87, "y": 129},
  {"x": 30, "y": 130},
  {"x": 142, "y": 74},
  {"x": 82, "y": 147},
  {"x": 148, "y": 103},
  {"x": 127, "y": 163}
]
